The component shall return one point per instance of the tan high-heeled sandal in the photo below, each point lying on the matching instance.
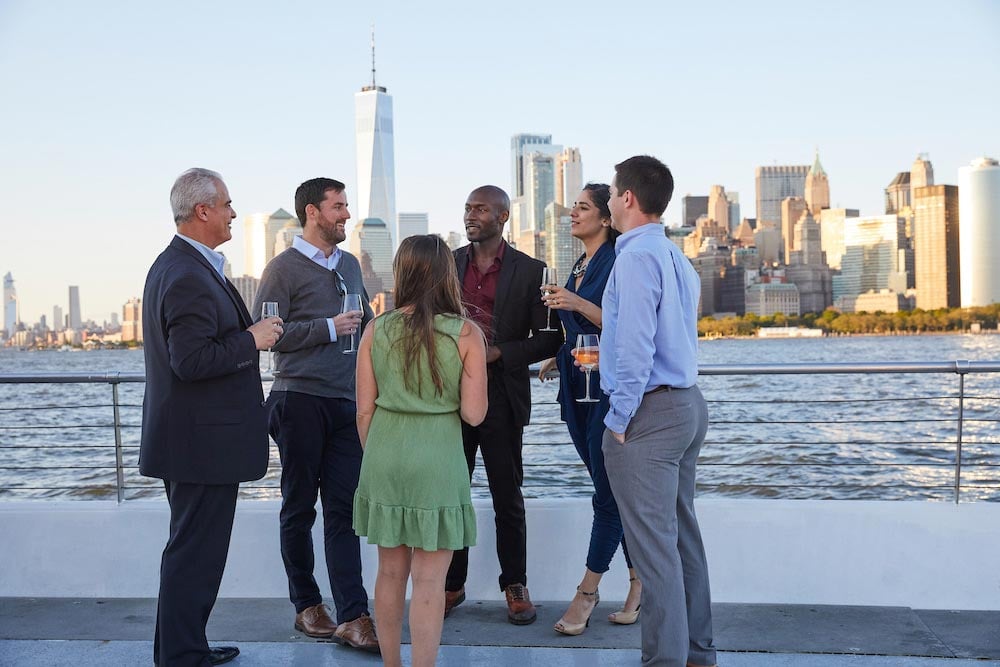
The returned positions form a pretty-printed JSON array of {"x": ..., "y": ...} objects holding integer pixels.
[
  {"x": 574, "y": 629},
  {"x": 622, "y": 617}
]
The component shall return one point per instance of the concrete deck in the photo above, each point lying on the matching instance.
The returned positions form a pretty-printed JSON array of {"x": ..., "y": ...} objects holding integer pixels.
[{"x": 86, "y": 631}]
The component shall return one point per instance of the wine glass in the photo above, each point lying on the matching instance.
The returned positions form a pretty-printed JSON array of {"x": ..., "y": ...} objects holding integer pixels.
[
  {"x": 352, "y": 302},
  {"x": 587, "y": 353},
  {"x": 269, "y": 309},
  {"x": 549, "y": 277}
]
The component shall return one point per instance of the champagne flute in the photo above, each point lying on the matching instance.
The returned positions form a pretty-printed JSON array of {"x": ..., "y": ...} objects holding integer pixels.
[
  {"x": 352, "y": 302},
  {"x": 587, "y": 353},
  {"x": 549, "y": 277},
  {"x": 269, "y": 309}
]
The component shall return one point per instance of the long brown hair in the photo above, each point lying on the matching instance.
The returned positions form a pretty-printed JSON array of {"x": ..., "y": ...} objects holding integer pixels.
[{"x": 426, "y": 283}]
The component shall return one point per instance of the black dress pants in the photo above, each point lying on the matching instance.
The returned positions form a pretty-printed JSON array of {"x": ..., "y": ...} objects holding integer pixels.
[
  {"x": 201, "y": 523},
  {"x": 499, "y": 438},
  {"x": 320, "y": 455}
]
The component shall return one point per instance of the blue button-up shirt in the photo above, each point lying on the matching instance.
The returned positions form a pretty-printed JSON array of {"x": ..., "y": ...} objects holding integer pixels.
[
  {"x": 214, "y": 257},
  {"x": 650, "y": 315},
  {"x": 329, "y": 263}
]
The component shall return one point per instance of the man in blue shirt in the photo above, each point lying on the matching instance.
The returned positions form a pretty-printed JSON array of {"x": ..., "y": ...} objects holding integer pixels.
[{"x": 658, "y": 417}]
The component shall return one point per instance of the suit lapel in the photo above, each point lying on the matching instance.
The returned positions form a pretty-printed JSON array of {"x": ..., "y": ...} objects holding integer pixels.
[
  {"x": 234, "y": 296},
  {"x": 507, "y": 269}
]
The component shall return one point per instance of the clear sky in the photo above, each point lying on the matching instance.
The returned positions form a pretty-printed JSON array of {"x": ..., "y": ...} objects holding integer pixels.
[{"x": 104, "y": 103}]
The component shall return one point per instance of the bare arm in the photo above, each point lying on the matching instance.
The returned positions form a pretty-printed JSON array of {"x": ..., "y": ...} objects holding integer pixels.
[
  {"x": 472, "y": 350},
  {"x": 367, "y": 388}
]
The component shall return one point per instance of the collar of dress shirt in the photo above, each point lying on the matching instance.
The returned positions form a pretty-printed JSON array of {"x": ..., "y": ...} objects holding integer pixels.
[
  {"x": 315, "y": 254},
  {"x": 215, "y": 258},
  {"x": 642, "y": 230}
]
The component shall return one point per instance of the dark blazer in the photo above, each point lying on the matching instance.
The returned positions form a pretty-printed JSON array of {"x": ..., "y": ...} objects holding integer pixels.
[
  {"x": 203, "y": 417},
  {"x": 518, "y": 313}
]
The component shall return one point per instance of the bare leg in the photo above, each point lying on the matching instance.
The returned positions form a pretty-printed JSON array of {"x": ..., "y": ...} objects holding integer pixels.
[
  {"x": 581, "y": 606},
  {"x": 427, "y": 605},
  {"x": 633, "y": 600},
  {"x": 390, "y": 596}
]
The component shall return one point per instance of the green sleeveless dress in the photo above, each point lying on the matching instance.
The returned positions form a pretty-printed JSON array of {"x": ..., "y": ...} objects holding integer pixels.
[{"x": 414, "y": 486}]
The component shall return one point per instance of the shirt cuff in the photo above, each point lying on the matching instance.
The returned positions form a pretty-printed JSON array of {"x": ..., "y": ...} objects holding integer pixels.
[
  {"x": 333, "y": 329},
  {"x": 615, "y": 422}
]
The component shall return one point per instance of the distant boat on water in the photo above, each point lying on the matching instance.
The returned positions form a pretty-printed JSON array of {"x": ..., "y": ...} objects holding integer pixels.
[{"x": 788, "y": 332}]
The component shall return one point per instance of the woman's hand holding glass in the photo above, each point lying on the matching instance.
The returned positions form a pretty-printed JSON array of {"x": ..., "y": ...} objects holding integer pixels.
[{"x": 560, "y": 298}]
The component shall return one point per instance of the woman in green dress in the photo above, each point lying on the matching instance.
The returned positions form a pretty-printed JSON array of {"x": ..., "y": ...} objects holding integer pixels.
[{"x": 421, "y": 372}]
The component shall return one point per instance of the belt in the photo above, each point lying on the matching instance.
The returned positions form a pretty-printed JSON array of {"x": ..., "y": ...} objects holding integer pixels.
[{"x": 662, "y": 387}]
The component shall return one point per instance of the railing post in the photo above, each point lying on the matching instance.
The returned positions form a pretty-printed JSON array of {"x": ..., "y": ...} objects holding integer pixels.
[
  {"x": 961, "y": 367},
  {"x": 119, "y": 457}
]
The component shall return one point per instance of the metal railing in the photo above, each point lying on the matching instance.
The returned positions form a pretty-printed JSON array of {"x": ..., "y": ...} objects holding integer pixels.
[{"x": 552, "y": 470}]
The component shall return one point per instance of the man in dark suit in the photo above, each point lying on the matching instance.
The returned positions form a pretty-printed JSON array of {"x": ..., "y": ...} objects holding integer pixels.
[
  {"x": 500, "y": 290},
  {"x": 204, "y": 428}
]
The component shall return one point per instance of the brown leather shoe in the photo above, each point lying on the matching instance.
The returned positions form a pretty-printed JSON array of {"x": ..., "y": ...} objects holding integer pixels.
[
  {"x": 520, "y": 611},
  {"x": 359, "y": 633},
  {"x": 452, "y": 599},
  {"x": 315, "y": 622}
]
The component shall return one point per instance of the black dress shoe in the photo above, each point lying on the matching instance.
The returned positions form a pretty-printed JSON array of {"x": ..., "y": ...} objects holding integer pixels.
[{"x": 222, "y": 654}]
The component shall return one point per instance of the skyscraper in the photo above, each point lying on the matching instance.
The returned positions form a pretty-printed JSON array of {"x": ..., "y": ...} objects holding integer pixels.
[
  {"x": 871, "y": 258},
  {"x": 519, "y": 144},
  {"x": 718, "y": 206},
  {"x": 539, "y": 189},
  {"x": 807, "y": 267},
  {"x": 693, "y": 207},
  {"x": 10, "y": 314},
  {"x": 569, "y": 176},
  {"x": 979, "y": 242},
  {"x": 561, "y": 248},
  {"x": 921, "y": 173},
  {"x": 132, "y": 321},
  {"x": 897, "y": 193},
  {"x": 58, "y": 322},
  {"x": 734, "y": 211},
  {"x": 935, "y": 247},
  {"x": 372, "y": 237},
  {"x": 831, "y": 222},
  {"x": 411, "y": 224},
  {"x": 75, "y": 319},
  {"x": 817, "y": 188},
  {"x": 792, "y": 209},
  {"x": 261, "y": 231},
  {"x": 773, "y": 184},
  {"x": 375, "y": 155}
]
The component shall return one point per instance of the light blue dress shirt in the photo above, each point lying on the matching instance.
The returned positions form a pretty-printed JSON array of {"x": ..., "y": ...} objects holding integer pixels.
[
  {"x": 650, "y": 316},
  {"x": 216, "y": 259},
  {"x": 330, "y": 263}
]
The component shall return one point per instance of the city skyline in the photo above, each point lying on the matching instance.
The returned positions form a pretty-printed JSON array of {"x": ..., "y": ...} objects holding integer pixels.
[{"x": 102, "y": 117}]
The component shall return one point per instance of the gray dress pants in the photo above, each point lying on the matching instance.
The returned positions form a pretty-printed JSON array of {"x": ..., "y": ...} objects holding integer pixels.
[{"x": 653, "y": 479}]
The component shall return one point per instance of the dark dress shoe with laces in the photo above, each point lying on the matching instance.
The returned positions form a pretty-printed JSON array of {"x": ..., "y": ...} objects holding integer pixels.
[
  {"x": 359, "y": 634},
  {"x": 315, "y": 622},
  {"x": 452, "y": 599},
  {"x": 220, "y": 655},
  {"x": 520, "y": 611}
]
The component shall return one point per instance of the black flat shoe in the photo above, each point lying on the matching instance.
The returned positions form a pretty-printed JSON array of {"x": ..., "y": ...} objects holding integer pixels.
[{"x": 222, "y": 654}]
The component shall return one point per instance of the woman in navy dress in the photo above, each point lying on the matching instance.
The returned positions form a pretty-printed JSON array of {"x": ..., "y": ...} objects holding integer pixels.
[{"x": 579, "y": 307}]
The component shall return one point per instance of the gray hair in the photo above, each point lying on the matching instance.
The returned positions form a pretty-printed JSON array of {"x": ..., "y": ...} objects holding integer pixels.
[{"x": 195, "y": 186}]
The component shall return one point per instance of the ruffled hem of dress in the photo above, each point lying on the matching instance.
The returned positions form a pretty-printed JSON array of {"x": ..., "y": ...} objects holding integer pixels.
[{"x": 428, "y": 529}]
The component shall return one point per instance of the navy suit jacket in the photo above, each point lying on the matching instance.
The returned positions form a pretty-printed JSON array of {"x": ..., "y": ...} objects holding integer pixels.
[
  {"x": 203, "y": 417},
  {"x": 518, "y": 314}
]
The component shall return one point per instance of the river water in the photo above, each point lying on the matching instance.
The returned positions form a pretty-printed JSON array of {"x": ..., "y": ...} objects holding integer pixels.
[{"x": 782, "y": 436}]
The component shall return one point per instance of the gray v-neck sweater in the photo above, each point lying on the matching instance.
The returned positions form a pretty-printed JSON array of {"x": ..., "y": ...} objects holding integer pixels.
[{"x": 306, "y": 360}]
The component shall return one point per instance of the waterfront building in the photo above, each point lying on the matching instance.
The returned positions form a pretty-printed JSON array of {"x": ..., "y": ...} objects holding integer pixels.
[
  {"x": 883, "y": 300},
  {"x": 936, "y": 247},
  {"x": 773, "y": 185},
  {"x": 767, "y": 238},
  {"x": 979, "y": 242},
  {"x": 745, "y": 256},
  {"x": 692, "y": 208},
  {"x": 411, "y": 224},
  {"x": 11, "y": 316},
  {"x": 807, "y": 267},
  {"x": 871, "y": 259},
  {"x": 371, "y": 236},
  {"x": 561, "y": 248},
  {"x": 132, "y": 321},
  {"x": 260, "y": 236},
  {"x": 710, "y": 264},
  {"x": 732, "y": 292},
  {"x": 734, "y": 210},
  {"x": 767, "y": 299},
  {"x": 539, "y": 189},
  {"x": 897, "y": 193},
  {"x": 247, "y": 286},
  {"x": 75, "y": 318},
  {"x": 569, "y": 177},
  {"x": 705, "y": 228},
  {"x": 792, "y": 209},
  {"x": 376, "y": 167},
  {"x": 519, "y": 145},
  {"x": 58, "y": 323},
  {"x": 831, "y": 224},
  {"x": 817, "y": 188},
  {"x": 718, "y": 207}
]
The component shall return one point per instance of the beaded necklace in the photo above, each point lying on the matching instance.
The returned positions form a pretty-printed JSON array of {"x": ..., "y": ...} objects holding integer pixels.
[{"x": 580, "y": 267}]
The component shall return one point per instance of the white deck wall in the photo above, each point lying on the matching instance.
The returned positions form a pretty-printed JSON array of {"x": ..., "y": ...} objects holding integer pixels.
[{"x": 918, "y": 554}]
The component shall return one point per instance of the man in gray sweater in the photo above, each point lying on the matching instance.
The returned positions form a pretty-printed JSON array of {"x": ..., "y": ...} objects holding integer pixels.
[{"x": 312, "y": 412}]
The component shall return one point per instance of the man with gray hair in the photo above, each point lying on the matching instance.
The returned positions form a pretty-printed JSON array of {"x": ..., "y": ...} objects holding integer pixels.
[{"x": 203, "y": 420}]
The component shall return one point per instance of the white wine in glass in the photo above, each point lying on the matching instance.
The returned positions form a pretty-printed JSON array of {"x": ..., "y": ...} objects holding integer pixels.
[
  {"x": 549, "y": 278},
  {"x": 352, "y": 302},
  {"x": 269, "y": 309},
  {"x": 588, "y": 355}
]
